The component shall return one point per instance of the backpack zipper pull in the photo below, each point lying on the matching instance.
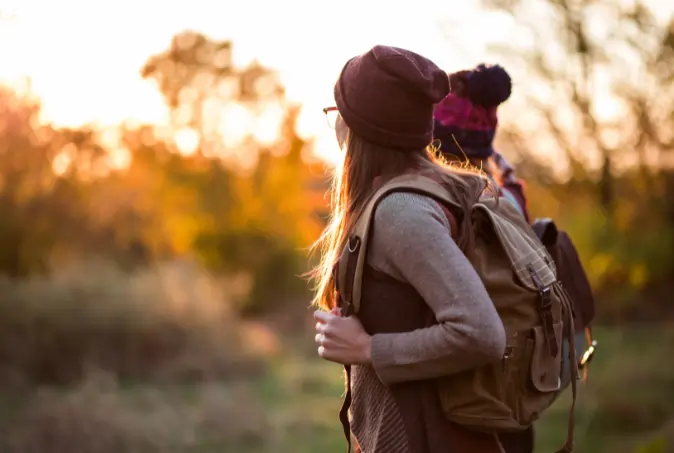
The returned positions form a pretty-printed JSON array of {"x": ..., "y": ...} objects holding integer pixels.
[{"x": 506, "y": 356}]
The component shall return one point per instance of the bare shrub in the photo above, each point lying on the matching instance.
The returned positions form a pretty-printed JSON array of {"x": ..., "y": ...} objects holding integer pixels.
[
  {"x": 101, "y": 417},
  {"x": 171, "y": 320}
]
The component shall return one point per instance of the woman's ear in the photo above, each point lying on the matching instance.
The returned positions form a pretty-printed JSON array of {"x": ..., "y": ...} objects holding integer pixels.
[{"x": 341, "y": 131}]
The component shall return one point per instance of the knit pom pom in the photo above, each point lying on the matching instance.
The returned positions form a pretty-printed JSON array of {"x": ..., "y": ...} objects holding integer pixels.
[{"x": 489, "y": 86}]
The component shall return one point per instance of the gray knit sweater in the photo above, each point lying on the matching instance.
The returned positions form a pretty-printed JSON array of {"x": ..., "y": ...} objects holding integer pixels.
[{"x": 411, "y": 242}]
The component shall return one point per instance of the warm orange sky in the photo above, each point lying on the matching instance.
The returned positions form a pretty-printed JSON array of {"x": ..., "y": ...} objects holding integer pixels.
[{"x": 84, "y": 56}]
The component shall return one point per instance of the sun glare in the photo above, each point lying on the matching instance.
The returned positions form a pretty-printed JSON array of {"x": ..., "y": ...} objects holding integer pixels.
[
  {"x": 312, "y": 125},
  {"x": 236, "y": 124},
  {"x": 61, "y": 163},
  {"x": 119, "y": 159},
  {"x": 310, "y": 120},
  {"x": 326, "y": 147},
  {"x": 187, "y": 141},
  {"x": 267, "y": 127}
]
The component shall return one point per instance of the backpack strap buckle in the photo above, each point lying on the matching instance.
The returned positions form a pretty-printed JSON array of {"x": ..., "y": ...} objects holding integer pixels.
[
  {"x": 353, "y": 243},
  {"x": 545, "y": 295},
  {"x": 345, "y": 274}
]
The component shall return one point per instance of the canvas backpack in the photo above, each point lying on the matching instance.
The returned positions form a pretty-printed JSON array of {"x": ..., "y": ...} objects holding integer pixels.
[
  {"x": 521, "y": 279},
  {"x": 571, "y": 273}
]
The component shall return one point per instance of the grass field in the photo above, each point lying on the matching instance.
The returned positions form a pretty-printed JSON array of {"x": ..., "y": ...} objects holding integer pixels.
[{"x": 626, "y": 407}]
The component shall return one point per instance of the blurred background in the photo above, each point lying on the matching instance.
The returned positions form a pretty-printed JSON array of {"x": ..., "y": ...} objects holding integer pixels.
[{"x": 164, "y": 168}]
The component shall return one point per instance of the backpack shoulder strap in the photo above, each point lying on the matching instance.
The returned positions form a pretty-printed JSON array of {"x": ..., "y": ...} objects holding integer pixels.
[
  {"x": 353, "y": 258},
  {"x": 546, "y": 230},
  {"x": 349, "y": 271},
  {"x": 575, "y": 273}
]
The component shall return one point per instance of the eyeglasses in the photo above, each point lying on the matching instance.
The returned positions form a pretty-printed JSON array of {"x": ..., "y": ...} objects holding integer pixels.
[{"x": 331, "y": 114}]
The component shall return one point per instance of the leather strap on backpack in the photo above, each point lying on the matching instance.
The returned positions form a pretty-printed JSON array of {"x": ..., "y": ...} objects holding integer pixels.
[
  {"x": 545, "y": 310},
  {"x": 359, "y": 235},
  {"x": 348, "y": 270},
  {"x": 344, "y": 273},
  {"x": 344, "y": 410},
  {"x": 570, "y": 332}
]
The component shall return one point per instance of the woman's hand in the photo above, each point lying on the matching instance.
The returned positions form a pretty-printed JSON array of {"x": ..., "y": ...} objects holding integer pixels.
[{"x": 342, "y": 340}]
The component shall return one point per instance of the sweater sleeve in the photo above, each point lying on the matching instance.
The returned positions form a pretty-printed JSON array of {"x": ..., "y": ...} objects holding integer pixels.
[{"x": 411, "y": 241}]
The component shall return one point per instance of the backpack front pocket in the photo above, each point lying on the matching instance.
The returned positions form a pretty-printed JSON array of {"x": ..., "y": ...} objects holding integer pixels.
[{"x": 542, "y": 379}]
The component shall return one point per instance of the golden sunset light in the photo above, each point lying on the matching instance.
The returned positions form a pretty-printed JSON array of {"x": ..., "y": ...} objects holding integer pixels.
[
  {"x": 100, "y": 58},
  {"x": 189, "y": 262}
]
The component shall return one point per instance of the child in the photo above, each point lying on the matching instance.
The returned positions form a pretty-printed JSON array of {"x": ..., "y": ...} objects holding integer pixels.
[{"x": 465, "y": 123}]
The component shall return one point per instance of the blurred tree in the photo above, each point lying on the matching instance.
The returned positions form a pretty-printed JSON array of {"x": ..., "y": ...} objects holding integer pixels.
[
  {"x": 254, "y": 198},
  {"x": 147, "y": 211},
  {"x": 199, "y": 81},
  {"x": 40, "y": 209},
  {"x": 599, "y": 89},
  {"x": 605, "y": 79},
  {"x": 245, "y": 206}
]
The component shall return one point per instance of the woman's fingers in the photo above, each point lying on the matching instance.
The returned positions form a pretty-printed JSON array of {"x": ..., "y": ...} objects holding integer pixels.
[
  {"x": 322, "y": 340},
  {"x": 328, "y": 354},
  {"x": 324, "y": 328},
  {"x": 339, "y": 339},
  {"x": 328, "y": 330},
  {"x": 328, "y": 325},
  {"x": 327, "y": 316},
  {"x": 323, "y": 316},
  {"x": 326, "y": 348}
]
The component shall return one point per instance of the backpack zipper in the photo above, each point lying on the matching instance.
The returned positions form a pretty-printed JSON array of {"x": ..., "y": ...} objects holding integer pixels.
[{"x": 506, "y": 357}]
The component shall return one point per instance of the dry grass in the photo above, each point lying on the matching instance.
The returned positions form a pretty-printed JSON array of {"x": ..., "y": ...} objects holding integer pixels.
[
  {"x": 95, "y": 360},
  {"x": 169, "y": 322},
  {"x": 100, "y": 417}
]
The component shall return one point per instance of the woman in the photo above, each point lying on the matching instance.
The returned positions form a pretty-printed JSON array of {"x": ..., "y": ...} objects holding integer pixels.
[
  {"x": 424, "y": 311},
  {"x": 465, "y": 125}
]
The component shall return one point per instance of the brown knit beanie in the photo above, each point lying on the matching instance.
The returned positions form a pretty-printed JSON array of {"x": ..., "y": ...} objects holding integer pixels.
[{"x": 386, "y": 96}]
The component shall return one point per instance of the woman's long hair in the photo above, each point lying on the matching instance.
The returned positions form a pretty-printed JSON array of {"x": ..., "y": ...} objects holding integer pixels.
[{"x": 352, "y": 185}]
